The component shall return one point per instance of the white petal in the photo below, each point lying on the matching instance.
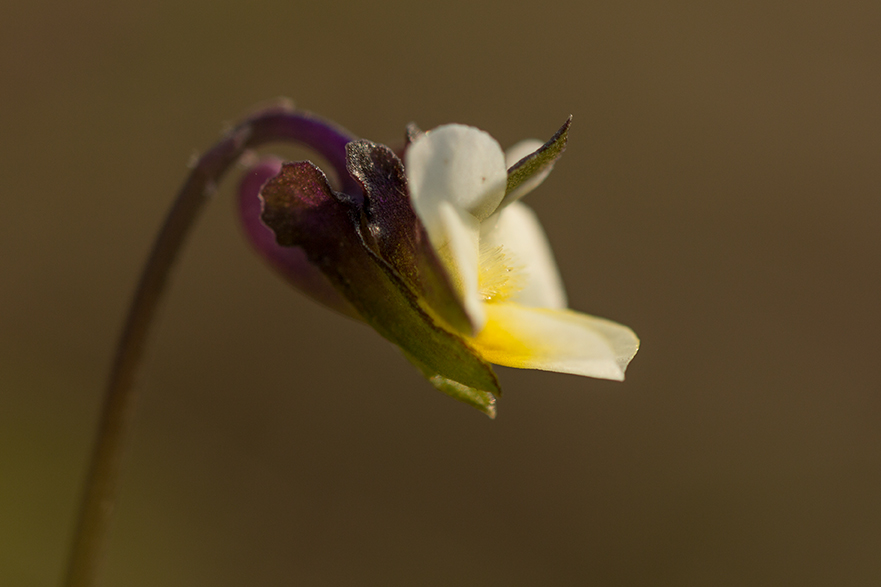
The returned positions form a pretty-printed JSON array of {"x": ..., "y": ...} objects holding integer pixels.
[
  {"x": 514, "y": 154},
  {"x": 454, "y": 234},
  {"x": 555, "y": 340},
  {"x": 519, "y": 232},
  {"x": 459, "y": 164}
]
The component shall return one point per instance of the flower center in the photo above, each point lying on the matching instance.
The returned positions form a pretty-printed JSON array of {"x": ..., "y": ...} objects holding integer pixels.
[{"x": 498, "y": 276}]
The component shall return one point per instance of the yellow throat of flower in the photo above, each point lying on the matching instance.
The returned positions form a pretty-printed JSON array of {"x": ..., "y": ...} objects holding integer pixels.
[{"x": 498, "y": 276}]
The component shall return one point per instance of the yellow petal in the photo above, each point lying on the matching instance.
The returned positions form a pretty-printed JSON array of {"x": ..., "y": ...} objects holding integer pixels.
[{"x": 555, "y": 340}]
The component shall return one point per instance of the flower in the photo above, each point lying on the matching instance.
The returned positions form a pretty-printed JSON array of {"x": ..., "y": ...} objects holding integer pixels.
[{"x": 438, "y": 255}]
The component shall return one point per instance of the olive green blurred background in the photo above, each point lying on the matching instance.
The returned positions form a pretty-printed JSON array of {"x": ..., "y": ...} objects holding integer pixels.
[{"x": 721, "y": 195}]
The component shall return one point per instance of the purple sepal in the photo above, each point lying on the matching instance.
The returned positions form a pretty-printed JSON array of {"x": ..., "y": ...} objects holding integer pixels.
[
  {"x": 291, "y": 262},
  {"x": 395, "y": 233},
  {"x": 302, "y": 210}
]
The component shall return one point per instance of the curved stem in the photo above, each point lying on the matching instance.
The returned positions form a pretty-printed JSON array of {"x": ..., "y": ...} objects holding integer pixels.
[{"x": 280, "y": 123}]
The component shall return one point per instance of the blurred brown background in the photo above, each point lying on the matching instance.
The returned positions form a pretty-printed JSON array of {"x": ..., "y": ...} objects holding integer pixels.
[{"x": 721, "y": 195}]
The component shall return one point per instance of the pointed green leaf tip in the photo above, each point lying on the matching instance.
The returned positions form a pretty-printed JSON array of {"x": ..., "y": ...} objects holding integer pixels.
[
  {"x": 538, "y": 162},
  {"x": 483, "y": 400}
]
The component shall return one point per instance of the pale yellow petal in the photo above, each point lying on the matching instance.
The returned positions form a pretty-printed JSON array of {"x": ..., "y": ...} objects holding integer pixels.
[{"x": 555, "y": 340}]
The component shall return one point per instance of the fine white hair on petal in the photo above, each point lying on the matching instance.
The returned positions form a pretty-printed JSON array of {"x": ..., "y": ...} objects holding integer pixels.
[
  {"x": 458, "y": 164},
  {"x": 517, "y": 230},
  {"x": 556, "y": 340}
]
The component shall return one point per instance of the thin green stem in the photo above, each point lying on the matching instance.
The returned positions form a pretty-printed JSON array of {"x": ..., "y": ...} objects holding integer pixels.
[{"x": 279, "y": 123}]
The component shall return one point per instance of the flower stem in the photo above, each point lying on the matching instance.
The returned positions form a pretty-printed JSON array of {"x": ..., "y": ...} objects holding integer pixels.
[{"x": 276, "y": 123}]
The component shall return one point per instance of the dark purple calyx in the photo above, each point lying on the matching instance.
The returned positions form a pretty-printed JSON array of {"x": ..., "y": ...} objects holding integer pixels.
[
  {"x": 368, "y": 252},
  {"x": 394, "y": 232}
]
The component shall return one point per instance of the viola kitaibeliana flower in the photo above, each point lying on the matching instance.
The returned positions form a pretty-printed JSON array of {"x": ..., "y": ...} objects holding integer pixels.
[{"x": 435, "y": 252}]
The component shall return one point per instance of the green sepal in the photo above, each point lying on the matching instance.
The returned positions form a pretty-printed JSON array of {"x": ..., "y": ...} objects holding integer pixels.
[
  {"x": 539, "y": 161},
  {"x": 481, "y": 399}
]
